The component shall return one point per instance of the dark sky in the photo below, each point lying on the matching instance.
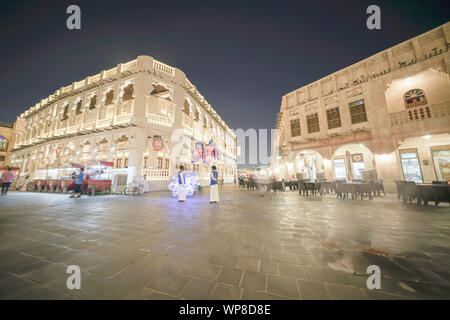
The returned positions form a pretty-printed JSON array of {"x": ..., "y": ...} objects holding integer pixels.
[{"x": 242, "y": 56}]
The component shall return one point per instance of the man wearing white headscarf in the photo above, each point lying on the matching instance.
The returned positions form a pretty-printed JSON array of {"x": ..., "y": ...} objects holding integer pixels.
[{"x": 181, "y": 185}]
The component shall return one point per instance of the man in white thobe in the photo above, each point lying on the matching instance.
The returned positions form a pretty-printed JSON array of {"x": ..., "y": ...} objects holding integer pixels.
[{"x": 181, "y": 185}]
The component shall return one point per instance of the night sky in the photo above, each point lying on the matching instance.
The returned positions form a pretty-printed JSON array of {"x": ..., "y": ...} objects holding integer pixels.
[{"x": 242, "y": 56}]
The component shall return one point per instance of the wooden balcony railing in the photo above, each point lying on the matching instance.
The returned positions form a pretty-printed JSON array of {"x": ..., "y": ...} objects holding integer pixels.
[{"x": 420, "y": 113}]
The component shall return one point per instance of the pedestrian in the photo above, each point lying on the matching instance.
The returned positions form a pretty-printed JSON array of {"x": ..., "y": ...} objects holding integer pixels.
[
  {"x": 181, "y": 185},
  {"x": 7, "y": 178},
  {"x": 78, "y": 184},
  {"x": 214, "y": 186}
]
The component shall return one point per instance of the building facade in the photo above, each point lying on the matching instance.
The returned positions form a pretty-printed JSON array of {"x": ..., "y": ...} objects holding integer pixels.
[
  {"x": 144, "y": 116},
  {"x": 6, "y": 142},
  {"x": 385, "y": 117}
]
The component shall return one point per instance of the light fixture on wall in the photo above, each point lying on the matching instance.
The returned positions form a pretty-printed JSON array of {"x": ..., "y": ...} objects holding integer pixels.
[{"x": 427, "y": 137}]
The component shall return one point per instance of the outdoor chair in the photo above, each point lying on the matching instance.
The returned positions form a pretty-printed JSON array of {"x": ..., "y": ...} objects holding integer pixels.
[{"x": 411, "y": 192}]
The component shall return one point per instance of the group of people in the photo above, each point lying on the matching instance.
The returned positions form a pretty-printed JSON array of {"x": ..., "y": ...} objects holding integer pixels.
[{"x": 213, "y": 185}]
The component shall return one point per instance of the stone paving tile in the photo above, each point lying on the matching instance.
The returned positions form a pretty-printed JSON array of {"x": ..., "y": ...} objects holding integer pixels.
[
  {"x": 292, "y": 270},
  {"x": 230, "y": 276},
  {"x": 197, "y": 289},
  {"x": 311, "y": 290},
  {"x": 46, "y": 273},
  {"x": 254, "y": 281},
  {"x": 345, "y": 292},
  {"x": 156, "y": 249},
  {"x": 248, "y": 263},
  {"x": 258, "y": 295},
  {"x": 201, "y": 270},
  {"x": 170, "y": 283},
  {"x": 226, "y": 292},
  {"x": 326, "y": 275},
  {"x": 269, "y": 267},
  {"x": 282, "y": 286},
  {"x": 223, "y": 260}
]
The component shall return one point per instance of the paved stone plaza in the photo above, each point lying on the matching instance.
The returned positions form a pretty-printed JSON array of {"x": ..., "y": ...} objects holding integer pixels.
[{"x": 276, "y": 246}]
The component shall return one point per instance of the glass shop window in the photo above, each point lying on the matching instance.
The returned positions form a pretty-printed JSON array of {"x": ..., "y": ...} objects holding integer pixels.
[
  {"x": 411, "y": 167},
  {"x": 339, "y": 169}
]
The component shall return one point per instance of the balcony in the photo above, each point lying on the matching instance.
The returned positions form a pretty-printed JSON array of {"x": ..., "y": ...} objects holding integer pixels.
[
  {"x": 159, "y": 120},
  {"x": 123, "y": 118},
  {"x": 156, "y": 174},
  {"x": 428, "y": 117}
]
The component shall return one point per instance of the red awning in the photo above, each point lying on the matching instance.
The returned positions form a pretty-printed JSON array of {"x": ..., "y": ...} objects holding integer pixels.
[{"x": 107, "y": 163}]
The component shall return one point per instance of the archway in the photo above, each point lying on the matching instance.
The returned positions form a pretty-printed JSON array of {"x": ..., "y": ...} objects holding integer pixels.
[
  {"x": 354, "y": 162},
  {"x": 309, "y": 165}
]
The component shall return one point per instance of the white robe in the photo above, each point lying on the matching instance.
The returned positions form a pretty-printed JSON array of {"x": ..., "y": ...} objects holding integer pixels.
[
  {"x": 213, "y": 191},
  {"x": 181, "y": 188}
]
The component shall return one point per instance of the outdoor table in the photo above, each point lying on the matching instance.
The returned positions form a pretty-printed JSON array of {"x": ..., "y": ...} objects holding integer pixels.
[
  {"x": 434, "y": 192},
  {"x": 313, "y": 186}
]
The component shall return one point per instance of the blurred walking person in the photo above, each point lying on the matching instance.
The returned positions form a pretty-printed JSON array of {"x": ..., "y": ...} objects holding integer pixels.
[
  {"x": 7, "y": 178},
  {"x": 78, "y": 184},
  {"x": 214, "y": 186}
]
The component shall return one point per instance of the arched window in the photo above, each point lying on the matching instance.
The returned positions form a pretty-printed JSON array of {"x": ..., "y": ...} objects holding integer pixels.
[
  {"x": 414, "y": 98},
  {"x": 3, "y": 144},
  {"x": 128, "y": 92}
]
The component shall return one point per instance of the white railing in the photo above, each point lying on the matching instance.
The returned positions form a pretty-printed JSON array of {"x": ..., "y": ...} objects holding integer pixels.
[
  {"x": 124, "y": 118},
  {"x": 163, "y": 67},
  {"x": 156, "y": 174},
  {"x": 73, "y": 129},
  {"x": 159, "y": 120}
]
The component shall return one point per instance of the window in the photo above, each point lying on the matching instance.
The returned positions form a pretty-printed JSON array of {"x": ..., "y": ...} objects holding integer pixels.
[
  {"x": 295, "y": 127},
  {"x": 78, "y": 110},
  {"x": 109, "y": 97},
  {"x": 160, "y": 163},
  {"x": 119, "y": 163},
  {"x": 166, "y": 164},
  {"x": 145, "y": 162},
  {"x": 313, "y": 123},
  {"x": 126, "y": 162},
  {"x": 93, "y": 102},
  {"x": 187, "y": 107},
  {"x": 65, "y": 115},
  {"x": 128, "y": 92},
  {"x": 3, "y": 144},
  {"x": 358, "y": 111},
  {"x": 339, "y": 169},
  {"x": 333, "y": 118},
  {"x": 414, "y": 98},
  {"x": 441, "y": 159},
  {"x": 197, "y": 115},
  {"x": 411, "y": 166}
]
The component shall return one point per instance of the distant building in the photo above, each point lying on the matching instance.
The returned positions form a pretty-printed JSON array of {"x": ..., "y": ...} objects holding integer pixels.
[
  {"x": 385, "y": 117},
  {"x": 6, "y": 142},
  {"x": 126, "y": 115}
]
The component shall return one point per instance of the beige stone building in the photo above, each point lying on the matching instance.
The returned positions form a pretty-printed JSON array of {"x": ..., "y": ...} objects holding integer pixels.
[
  {"x": 144, "y": 116},
  {"x": 6, "y": 143},
  {"x": 385, "y": 117}
]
